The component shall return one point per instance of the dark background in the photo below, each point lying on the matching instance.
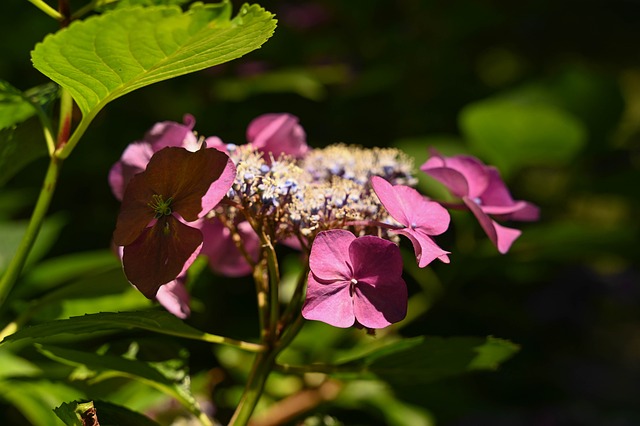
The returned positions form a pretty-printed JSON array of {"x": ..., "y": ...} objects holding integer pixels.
[{"x": 380, "y": 73}]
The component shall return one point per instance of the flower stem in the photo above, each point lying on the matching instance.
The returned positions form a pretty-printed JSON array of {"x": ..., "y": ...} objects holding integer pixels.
[
  {"x": 274, "y": 283},
  {"x": 40, "y": 4},
  {"x": 37, "y": 218}
]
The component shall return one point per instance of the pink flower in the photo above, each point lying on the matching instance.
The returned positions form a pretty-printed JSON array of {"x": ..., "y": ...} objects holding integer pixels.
[
  {"x": 355, "y": 279},
  {"x": 136, "y": 156},
  {"x": 278, "y": 134},
  {"x": 174, "y": 297},
  {"x": 420, "y": 217},
  {"x": 484, "y": 193},
  {"x": 177, "y": 187},
  {"x": 224, "y": 256}
]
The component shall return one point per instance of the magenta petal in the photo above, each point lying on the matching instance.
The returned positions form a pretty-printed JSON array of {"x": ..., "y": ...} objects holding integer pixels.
[
  {"x": 461, "y": 174},
  {"x": 330, "y": 255},
  {"x": 160, "y": 254},
  {"x": 329, "y": 303},
  {"x": 174, "y": 297},
  {"x": 425, "y": 248},
  {"x": 218, "y": 188},
  {"x": 279, "y": 134},
  {"x": 501, "y": 236},
  {"x": 410, "y": 208},
  {"x": 133, "y": 161},
  {"x": 530, "y": 212},
  {"x": 170, "y": 133},
  {"x": 375, "y": 259},
  {"x": 381, "y": 305},
  {"x": 224, "y": 256}
]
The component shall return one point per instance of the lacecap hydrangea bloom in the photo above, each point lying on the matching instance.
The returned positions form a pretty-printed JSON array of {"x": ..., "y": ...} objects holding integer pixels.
[{"x": 343, "y": 207}]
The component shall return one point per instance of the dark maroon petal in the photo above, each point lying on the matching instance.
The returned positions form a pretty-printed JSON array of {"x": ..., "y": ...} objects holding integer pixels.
[
  {"x": 159, "y": 255},
  {"x": 185, "y": 177},
  {"x": 135, "y": 214}
]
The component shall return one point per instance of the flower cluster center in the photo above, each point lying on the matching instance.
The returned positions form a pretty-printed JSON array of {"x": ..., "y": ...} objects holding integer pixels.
[{"x": 160, "y": 206}]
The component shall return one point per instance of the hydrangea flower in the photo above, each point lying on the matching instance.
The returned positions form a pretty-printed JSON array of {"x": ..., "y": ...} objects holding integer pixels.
[
  {"x": 177, "y": 187},
  {"x": 136, "y": 156},
  {"x": 355, "y": 280},
  {"x": 484, "y": 193},
  {"x": 278, "y": 134},
  {"x": 419, "y": 217}
]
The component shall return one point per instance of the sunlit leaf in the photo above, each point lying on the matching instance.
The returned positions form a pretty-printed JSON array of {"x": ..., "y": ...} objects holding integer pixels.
[
  {"x": 160, "y": 322},
  {"x": 12, "y": 365},
  {"x": 106, "y": 413},
  {"x": 104, "y": 57}
]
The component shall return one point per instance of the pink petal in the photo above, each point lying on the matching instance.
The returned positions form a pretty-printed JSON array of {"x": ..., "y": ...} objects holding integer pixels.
[
  {"x": 381, "y": 305},
  {"x": 160, "y": 254},
  {"x": 133, "y": 161},
  {"x": 279, "y": 134},
  {"x": 329, "y": 258},
  {"x": 380, "y": 296},
  {"x": 410, "y": 208},
  {"x": 174, "y": 297},
  {"x": 501, "y": 236},
  {"x": 462, "y": 175},
  {"x": 219, "y": 188},
  {"x": 375, "y": 259},
  {"x": 330, "y": 303},
  {"x": 425, "y": 248},
  {"x": 528, "y": 213},
  {"x": 170, "y": 133},
  {"x": 224, "y": 256}
]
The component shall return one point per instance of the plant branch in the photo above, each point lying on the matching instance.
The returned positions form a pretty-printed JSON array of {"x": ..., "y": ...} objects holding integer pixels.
[
  {"x": 37, "y": 218},
  {"x": 40, "y": 4}
]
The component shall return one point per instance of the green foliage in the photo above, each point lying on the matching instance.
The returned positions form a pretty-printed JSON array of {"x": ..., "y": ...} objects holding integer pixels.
[
  {"x": 106, "y": 413},
  {"x": 511, "y": 132},
  {"x": 107, "y": 56},
  {"x": 156, "y": 321},
  {"x": 425, "y": 359},
  {"x": 101, "y": 367}
]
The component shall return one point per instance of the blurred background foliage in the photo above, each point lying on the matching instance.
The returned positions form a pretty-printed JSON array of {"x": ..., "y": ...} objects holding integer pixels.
[{"x": 548, "y": 91}]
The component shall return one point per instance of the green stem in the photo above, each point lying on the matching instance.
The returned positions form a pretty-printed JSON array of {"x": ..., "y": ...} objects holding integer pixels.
[
  {"x": 260, "y": 370},
  {"x": 37, "y": 218},
  {"x": 40, "y": 4},
  {"x": 221, "y": 340},
  {"x": 274, "y": 282}
]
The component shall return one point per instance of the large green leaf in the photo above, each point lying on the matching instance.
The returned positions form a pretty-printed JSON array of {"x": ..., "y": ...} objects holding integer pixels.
[
  {"x": 425, "y": 359},
  {"x": 107, "y": 56},
  {"x": 99, "y": 367},
  {"x": 157, "y": 321},
  {"x": 514, "y": 132}
]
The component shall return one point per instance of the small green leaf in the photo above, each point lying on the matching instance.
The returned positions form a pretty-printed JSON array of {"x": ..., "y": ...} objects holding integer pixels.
[
  {"x": 14, "y": 108},
  {"x": 425, "y": 359},
  {"x": 157, "y": 321},
  {"x": 513, "y": 132},
  {"x": 71, "y": 412},
  {"x": 100, "y": 367},
  {"x": 104, "y": 57}
]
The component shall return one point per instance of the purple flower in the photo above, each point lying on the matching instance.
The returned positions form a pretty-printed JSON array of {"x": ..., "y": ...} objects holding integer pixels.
[
  {"x": 136, "y": 156},
  {"x": 219, "y": 247},
  {"x": 420, "y": 217},
  {"x": 176, "y": 188},
  {"x": 355, "y": 279},
  {"x": 484, "y": 193},
  {"x": 278, "y": 134}
]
